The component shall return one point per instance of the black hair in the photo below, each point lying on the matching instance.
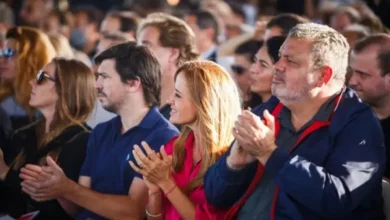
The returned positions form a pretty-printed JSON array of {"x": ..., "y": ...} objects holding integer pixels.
[
  {"x": 134, "y": 62},
  {"x": 286, "y": 22},
  {"x": 273, "y": 45},
  {"x": 249, "y": 49}
]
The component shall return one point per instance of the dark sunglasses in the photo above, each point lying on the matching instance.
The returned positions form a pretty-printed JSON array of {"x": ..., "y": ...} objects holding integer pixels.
[
  {"x": 42, "y": 75},
  {"x": 7, "y": 53},
  {"x": 238, "y": 69}
]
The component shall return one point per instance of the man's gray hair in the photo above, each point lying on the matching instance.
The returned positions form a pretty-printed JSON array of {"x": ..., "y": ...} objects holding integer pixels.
[{"x": 330, "y": 48}]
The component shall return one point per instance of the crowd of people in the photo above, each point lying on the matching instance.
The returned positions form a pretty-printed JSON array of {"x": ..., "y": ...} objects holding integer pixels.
[{"x": 205, "y": 110}]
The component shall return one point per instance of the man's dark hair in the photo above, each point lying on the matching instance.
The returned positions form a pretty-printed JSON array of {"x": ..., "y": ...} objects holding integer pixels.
[
  {"x": 127, "y": 23},
  {"x": 273, "y": 46},
  {"x": 382, "y": 41},
  {"x": 94, "y": 15},
  {"x": 249, "y": 49},
  {"x": 134, "y": 62},
  {"x": 204, "y": 20},
  {"x": 115, "y": 36},
  {"x": 286, "y": 22}
]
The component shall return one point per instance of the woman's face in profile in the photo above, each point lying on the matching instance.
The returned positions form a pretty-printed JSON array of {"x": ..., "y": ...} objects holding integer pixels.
[
  {"x": 183, "y": 108},
  {"x": 262, "y": 71},
  {"x": 43, "y": 94},
  {"x": 8, "y": 60}
]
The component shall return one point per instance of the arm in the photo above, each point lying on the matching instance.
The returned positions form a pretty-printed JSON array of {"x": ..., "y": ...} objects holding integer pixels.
[
  {"x": 71, "y": 160},
  {"x": 179, "y": 200},
  {"x": 225, "y": 184},
  {"x": 353, "y": 169},
  {"x": 155, "y": 206},
  {"x": 69, "y": 207},
  {"x": 109, "y": 206},
  {"x": 227, "y": 48}
]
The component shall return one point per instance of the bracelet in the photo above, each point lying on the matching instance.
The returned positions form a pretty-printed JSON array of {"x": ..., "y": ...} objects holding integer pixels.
[
  {"x": 170, "y": 190},
  {"x": 150, "y": 215}
]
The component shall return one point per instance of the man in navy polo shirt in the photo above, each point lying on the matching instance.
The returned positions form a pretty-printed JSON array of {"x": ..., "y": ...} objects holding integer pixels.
[{"x": 128, "y": 84}]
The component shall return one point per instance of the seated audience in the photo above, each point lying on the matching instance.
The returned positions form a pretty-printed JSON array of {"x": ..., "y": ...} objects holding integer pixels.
[{"x": 128, "y": 84}]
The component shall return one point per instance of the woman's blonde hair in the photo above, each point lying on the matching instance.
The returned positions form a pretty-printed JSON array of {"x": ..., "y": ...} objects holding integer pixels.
[
  {"x": 34, "y": 51},
  {"x": 61, "y": 45},
  {"x": 75, "y": 87},
  {"x": 218, "y": 103}
]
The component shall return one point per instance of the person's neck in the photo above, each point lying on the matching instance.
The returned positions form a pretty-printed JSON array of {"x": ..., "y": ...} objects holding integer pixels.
[
  {"x": 48, "y": 114},
  {"x": 302, "y": 112},
  {"x": 205, "y": 47},
  {"x": 167, "y": 86},
  {"x": 132, "y": 114},
  {"x": 265, "y": 96},
  {"x": 197, "y": 153},
  {"x": 382, "y": 111}
]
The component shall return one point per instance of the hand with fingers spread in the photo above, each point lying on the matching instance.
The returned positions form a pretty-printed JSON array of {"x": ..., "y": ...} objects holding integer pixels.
[
  {"x": 44, "y": 183},
  {"x": 255, "y": 136},
  {"x": 3, "y": 166},
  {"x": 154, "y": 167}
]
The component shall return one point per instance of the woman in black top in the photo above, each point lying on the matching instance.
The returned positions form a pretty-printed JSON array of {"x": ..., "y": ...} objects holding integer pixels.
[{"x": 64, "y": 92}]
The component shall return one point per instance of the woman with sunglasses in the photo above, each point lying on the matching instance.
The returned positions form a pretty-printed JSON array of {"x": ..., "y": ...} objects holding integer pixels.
[
  {"x": 262, "y": 69},
  {"x": 25, "y": 52},
  {"x": 64, "y": 93},
  {"x": 243, "y": 58},
  {"x": 206, "y": 104}
]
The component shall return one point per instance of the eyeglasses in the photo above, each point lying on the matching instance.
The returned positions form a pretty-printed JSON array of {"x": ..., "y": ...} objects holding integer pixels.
[
  {"x": 7, "y": 53},
  {"x": 238, "y": 69},
  {"x": 42, "y": 75}
]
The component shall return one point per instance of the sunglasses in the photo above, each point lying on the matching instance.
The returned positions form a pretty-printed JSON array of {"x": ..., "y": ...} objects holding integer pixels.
[
  {"x": 7, "y": 53},
  {"x": 42, "y": 75},
  {"x": 238, "y": 69}
]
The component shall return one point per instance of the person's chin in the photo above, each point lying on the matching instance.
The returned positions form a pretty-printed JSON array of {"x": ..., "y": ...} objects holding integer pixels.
[{"x": 174, "y": 120}]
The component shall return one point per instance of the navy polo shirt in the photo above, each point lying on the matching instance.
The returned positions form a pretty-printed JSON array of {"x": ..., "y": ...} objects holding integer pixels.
[{"x": 109, "y": 151}]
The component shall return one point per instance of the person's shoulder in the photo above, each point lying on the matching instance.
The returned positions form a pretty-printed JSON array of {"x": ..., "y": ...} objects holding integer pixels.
[
  {"x": 351, "y": 108},
  {"x": 163, "y": 125},
  {"x": 351, "y": 115}
]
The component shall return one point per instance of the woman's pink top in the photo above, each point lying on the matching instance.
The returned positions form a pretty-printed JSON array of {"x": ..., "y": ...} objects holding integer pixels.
[{"x": 203, "y": 210}]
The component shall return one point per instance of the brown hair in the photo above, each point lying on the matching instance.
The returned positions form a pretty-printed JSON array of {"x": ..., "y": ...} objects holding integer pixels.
[
  {"x": 75, "y": 86},
  {"x": 212, "y": 89},
  {"x": 382, "y": 41},
  {"x": 34, "y": 51},
  {"x": 174, "y": 33}
]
